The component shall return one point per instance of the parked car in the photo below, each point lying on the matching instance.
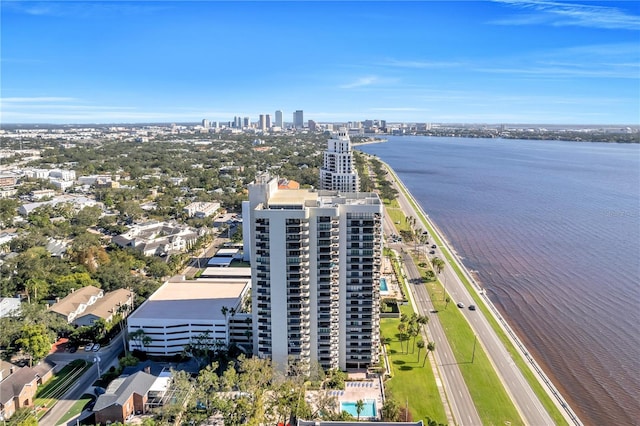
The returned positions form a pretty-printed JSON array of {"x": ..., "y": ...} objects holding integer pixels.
[
  {"x": 73, "y": 349},
  {"x": 460, "y": 305},
  {"x": 433, "y": 246},
  {"x": 432, "y": 252},
  {"x": 96, "y": 347},
  {"x": 88, "y": 347}
]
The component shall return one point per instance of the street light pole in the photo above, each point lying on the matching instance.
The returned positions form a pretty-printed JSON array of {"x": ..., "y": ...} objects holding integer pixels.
[
  {"x": 97, "y": 359},
  {"x": 473, "y": 355}
]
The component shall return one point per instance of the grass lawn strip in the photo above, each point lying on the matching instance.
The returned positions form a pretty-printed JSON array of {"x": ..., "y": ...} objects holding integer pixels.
[
  {"x": 76, "y": 408},
  {"x": 55, "y": 388},
  {"x": 540, "y": 392},
  {"x": 410, "y": 380}
]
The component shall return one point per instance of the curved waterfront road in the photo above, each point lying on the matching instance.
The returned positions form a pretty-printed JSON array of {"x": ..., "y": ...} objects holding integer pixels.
[{"x": 521, "y": 393}]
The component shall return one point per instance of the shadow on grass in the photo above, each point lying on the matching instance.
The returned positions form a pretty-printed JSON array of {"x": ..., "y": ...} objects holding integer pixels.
[
  {"x": 398, "y": 362},
  {"x": 406, "y": 368}
]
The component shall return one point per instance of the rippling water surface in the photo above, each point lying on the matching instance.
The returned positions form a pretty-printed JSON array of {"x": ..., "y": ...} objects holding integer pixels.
[{"x": 553, "y": 231}]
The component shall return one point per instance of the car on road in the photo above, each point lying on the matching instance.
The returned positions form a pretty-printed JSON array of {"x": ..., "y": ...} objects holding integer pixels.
[
  {"x": 433, "y": 246},
  {"x": 432, "y": 252},
  {"x": 472, "y": 307},
  {"x": 88, "y": 347},
  {"x": 96, "y": 347},
  {"x": 460, "y": 305},
  {"x": 425, "y": 233}
]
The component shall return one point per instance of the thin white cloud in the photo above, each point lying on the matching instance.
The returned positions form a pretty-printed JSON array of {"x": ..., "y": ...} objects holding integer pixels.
[
  {"x": 399, "y": 109},
  {"x": 361, "y": 82},
  {"x": 560, "y": 14},
  {"x": 83, "y": 8},
  {"x": 419, "y": 64},
  {"x": 36, "y": 99}
]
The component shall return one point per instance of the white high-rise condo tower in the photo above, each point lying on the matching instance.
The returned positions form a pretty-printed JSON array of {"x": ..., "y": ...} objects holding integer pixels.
[
  {"x": 338, "y": 172},
  {"x": 315, "y": 266}
]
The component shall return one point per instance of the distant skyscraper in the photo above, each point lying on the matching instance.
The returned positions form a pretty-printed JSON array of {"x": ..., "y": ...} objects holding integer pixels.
[
  {"x": 315, "y": 267},
  {"x": 268, "y": 119},
  {"x": 338, "y": 172},
  {"x": 205, "y": 123},
  {"x": 298, "y": 119},
  {"x": 263, "y": 122},
  {"x": 247, "y": 122},
  {"x": 279, "y": 121},
  {"x": 313, "y": 126}
]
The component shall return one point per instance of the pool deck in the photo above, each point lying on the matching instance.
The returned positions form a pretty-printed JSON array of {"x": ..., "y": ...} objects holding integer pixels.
[
  {"x": 354, "y": 390},
  {"x": 390, "y": 277},
  {"x": 364, "y": 390}
]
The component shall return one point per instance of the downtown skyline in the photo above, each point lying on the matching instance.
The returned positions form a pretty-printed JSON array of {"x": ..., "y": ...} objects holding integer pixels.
[{"x": 458, "y": 62}]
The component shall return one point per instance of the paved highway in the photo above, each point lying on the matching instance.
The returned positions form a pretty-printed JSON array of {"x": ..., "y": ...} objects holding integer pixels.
[{"x": 517, "y": 387}]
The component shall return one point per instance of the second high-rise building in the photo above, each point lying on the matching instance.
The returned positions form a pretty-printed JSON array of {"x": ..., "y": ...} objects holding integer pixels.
[{"x": 338, "y": 172}]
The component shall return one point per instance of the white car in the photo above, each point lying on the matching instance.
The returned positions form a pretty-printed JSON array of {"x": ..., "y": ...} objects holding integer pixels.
[
  {"x": 96, "y": 347},
  {"x": 88, "y": 347}
]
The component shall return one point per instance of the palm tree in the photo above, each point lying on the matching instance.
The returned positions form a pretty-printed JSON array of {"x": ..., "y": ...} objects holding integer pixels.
[
  {"x": 447, "y": 299},
  {"x": 423, "y": 320},
  {"x": 402, "y": 329},
  {"x": 224, "y": 311},
  {"x": 438, "y": 264},
  {"x": 359, "y": 407},
  {"x": 420, "y": 348},
  {"x": 431, "y": 346}
]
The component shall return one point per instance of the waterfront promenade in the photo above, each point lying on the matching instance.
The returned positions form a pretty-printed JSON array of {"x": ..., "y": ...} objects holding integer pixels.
[{"x": 527, "y": 403}]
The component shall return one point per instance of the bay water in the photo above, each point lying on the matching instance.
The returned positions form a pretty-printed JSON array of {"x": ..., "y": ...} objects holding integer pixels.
[{"x": 552, "y": 231}]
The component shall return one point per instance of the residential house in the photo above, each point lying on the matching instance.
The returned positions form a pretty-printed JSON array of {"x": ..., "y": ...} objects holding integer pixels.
[
  {"x": 19, "y": 388},
  {"x": 9, "y": 306},
  {"x": 201, "y": 209},
  {"x": 124, "y": 397},
  {"x": 87, "y": 304},
  {"x": 157, "y": 238}
]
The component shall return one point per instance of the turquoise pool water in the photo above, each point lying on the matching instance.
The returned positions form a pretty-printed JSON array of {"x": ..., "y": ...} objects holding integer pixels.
[
  {"x": 383, "y": 284},
  {"x": 368, "y": 411}
]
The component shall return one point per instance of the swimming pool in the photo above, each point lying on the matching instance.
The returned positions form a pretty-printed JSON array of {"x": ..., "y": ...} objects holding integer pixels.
[
  {"x": 369, "y": 410},
  {"x": 383, "y": 285}
]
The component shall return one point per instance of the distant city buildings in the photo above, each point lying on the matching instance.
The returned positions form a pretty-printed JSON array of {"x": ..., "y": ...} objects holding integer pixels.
[
  {"x": 279, "y": 122},
  {"x": 298, "y": 119}
]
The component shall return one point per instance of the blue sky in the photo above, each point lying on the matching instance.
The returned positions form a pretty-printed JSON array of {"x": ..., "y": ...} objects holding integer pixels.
[{"x": 502, "y": 61}]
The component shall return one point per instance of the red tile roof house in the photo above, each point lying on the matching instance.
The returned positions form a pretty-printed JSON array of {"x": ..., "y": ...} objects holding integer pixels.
[
  {"x": 18, "y": 389},
  {"x": 124, "y": 397}
]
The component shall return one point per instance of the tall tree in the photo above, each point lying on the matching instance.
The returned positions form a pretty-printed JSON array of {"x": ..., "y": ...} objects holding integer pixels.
[
  {"x": 431, "y": 346},
  {"x": 420, "y": 347},
  {"x": 35, "y": 341}
]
